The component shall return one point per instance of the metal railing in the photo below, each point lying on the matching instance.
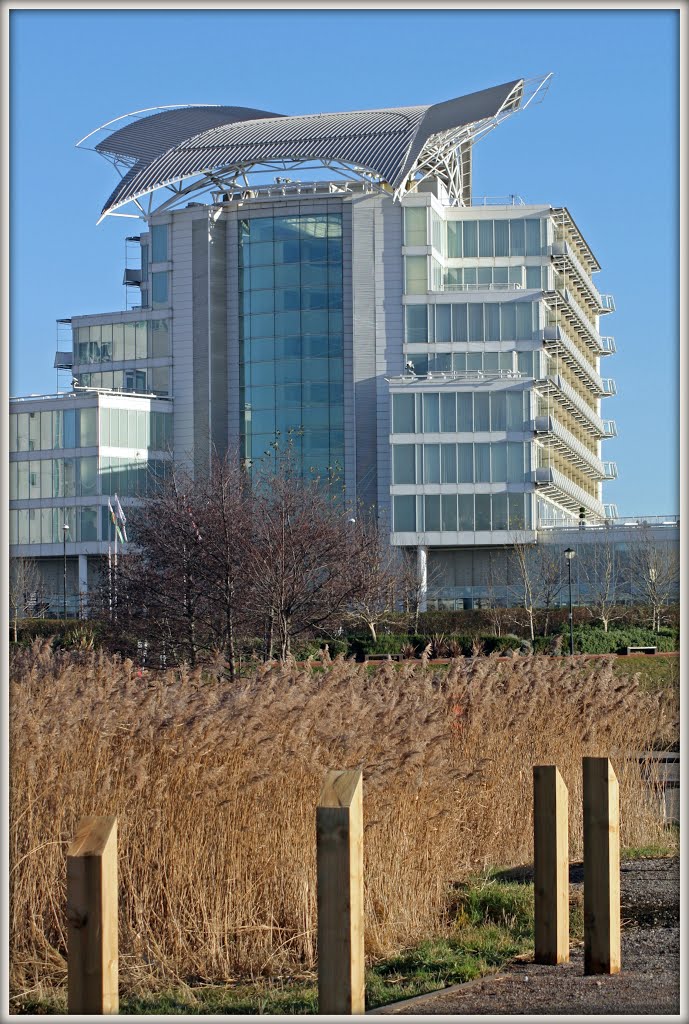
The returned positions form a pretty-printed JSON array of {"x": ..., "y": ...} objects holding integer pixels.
[
  {"x": 607, "y": 302},
  {"x": 496, "y": 286},
  {"x": 557, "y": 385},
  {"x": 449, "y": 376},
  {"x": 609, "y": 387},
  {"x": 572, "y": 445},
  {"x": 609, "y": 428},
  {"x": 553, "y": 479},
  {"x": 608, "y": 344},
  {"x": 511, "y": 200},
  {"x": 610, "y": 470},
  {"x": 553, "y": 334}
]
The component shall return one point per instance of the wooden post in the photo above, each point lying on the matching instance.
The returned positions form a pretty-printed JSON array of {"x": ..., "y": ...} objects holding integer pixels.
[
  {"x": 340, "y": 867},
  {"x": 602, "y": 953},
  {"x": 92, "y": 974},
  {"x": 551, "y": 866}
]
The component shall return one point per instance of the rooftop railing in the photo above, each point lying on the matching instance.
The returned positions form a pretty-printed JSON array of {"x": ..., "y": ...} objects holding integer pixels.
[{"x": 455, "y": 376}]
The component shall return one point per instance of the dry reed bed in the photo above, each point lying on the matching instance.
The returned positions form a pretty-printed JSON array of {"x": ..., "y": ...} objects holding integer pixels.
[{"x": 215, "y": 790}]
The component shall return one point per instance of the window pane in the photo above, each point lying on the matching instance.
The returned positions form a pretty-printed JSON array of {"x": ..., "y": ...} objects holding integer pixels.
[
  {"x": 415, "y": 225},
  {"x": 481, "y": 414},
  {"x": 403, "y": 464},
  {"x": 533, "y": 237},
  {"x": 431, "y": 512},
  {"x": 88, "y": 526},
  {"x": 460, "y": 330},
  {"x": 492, "y": 321},
  {"x": 431, "y": 463},
  {"x": 88, "y": 474},
  {"x": 442, "y": 323},
  {"x": 498, "y": 411},
  {"x": 465, "y": 518},
  {"x": 159, "y": 340},
  {"x": 448, "y": 412},
  {"x": 88, "y": 428},
  {"x": 508, "y": 322},
  {"x": 417, "y": 323},
  {"x": 498, "y": 458},
  {"x": 476, "y": 321},
  {"x": 403, "y": 414},
  {"x": 454, "y": 239},
  {"x": 502, "y": 237},
  {"x": 485, "y": 238},
  {"x": 470, "y": 233},
  {"x": 404, "y": 513},
  {"x": 448, "y": 463},
  {"x": 515, "y": 416},
  {"x": 46, "y": 479},
  {"x": 482, "y": 463},
  {"x": 159, "y": 289},
  {"x": 499, "y": 506},
  {"x": 448, "y": 511},
  {"x": 46, "y": 431},
  {"x": 516, "y": 511},
  {"x": 416, "y": 275},
  {"x": 159, "y": 242},
  {"x": 141, "y": 329},
  {"x": 69, "y": 426},
  {"x": 465, "y": 418},
  {"x": 482, "y": 505},
  {"x": 466, "y": 463},
  {"x": 515, "y": 462},
  {"x": 34, "y": 431},
  {"x": 431, "y": 420},
  {"x": 524, "y": 317},
  {"x": 517, "y": 238}
]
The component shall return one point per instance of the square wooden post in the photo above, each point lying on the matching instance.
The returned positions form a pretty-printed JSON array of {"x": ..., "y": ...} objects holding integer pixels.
[
  {"x": 92, "y": 968},
  {"x": 340, "y": 868},
  {"x": 551, "y": 866},
  {"x": 602, "y": 944}
]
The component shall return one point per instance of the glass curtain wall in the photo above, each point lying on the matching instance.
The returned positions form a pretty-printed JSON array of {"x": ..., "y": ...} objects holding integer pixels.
[{"x": 291, "y": 341}]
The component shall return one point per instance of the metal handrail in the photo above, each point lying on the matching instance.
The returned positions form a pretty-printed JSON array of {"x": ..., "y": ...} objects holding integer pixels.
[
  {"x": 448, "y": 376},
  {"x": 508, "y": 286}
]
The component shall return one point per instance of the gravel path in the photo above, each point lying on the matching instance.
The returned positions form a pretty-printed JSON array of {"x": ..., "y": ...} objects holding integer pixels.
[{"x": 647, "y": 984}]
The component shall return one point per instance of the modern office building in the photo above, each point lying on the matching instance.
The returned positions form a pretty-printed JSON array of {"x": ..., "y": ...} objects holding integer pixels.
[{"x": 331, "y": 278}]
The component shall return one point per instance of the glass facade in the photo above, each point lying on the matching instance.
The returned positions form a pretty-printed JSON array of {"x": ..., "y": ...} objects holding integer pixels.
[
  {"x": 291, "y": 340},
  {"x": 430, "y": 513},
  {"x": 459, "y": 411},
  {"x": 44, "y": 429},
  {"x": 115, "y": 343},
  {"x": 453, "y": 322}
]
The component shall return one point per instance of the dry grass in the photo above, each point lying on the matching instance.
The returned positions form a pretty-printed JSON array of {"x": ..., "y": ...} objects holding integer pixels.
[{"x": 215, "y": 790}]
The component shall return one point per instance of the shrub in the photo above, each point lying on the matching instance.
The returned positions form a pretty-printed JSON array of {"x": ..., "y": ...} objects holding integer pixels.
[{"x": 594, "y": 640}]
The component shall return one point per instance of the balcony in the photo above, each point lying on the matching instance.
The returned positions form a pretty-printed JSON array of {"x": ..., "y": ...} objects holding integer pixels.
[
  {"x": 562, "y": 300},
  {"x": 607, "y": 303},
  {"x": 610, "y": 471},
  {"x": 559, "y": 488},
  {"x": 611, "y": 511},
  {"x": 609, "y": 428},
  {"x": 582, "y": 412},
  {"x": 609, "y": 387},
  {"x": 555, "y": 338},
  {"x": 609, "y": 346},
  {"x": 566, "y": 260},
  {"x": 562, "y": 440}
]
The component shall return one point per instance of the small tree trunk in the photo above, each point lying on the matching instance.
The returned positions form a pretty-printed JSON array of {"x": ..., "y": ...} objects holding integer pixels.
[{"x": 372, "y": 630}]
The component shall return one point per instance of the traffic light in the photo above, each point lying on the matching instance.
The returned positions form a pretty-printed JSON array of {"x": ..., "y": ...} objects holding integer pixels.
[{"x": 582, "y": 515}]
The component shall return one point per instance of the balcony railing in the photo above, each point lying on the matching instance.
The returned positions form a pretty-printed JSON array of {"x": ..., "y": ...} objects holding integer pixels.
[
  {"x": 562, "y": 300},
  {"x": 609, "y": 387},
  {"x": 556, "y": 485},
  {"x": 609, "y": 428},
  {"x": 582, "y": 412},
  {"x": 607, "y": 303},
  {"x": 553, "y": 335},
  {"x": 455, "y": 376},
  {"x": 564, "y": 256},
  {"x": 610, "y": 471},
  {"x": 497, "y": 286},
  {"x": 609, "y": 346},
  {"x": 570, "y": 446}
]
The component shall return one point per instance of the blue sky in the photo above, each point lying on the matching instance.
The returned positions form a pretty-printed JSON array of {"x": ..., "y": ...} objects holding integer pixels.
[{"x": 603, "y": 143}]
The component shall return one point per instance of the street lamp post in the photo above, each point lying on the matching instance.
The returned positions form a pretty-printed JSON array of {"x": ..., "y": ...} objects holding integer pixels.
[
  {"x": 65, "y": 531},
  {"x": 569, "y": 555}
]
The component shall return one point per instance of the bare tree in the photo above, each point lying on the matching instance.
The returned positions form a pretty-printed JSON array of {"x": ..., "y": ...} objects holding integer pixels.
[
  {"x": 538, "y": 571},
  {"x": 381, "y": 575},
  {"x": 304, "y": 561},
  {"x": 25, "y": 587},
  {"x": 654, "y": 571},
  {"x": 603, "y": 573}
]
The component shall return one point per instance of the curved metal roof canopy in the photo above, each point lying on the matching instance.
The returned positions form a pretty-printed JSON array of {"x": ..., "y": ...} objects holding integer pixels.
[{"x": 218, "y": 145}]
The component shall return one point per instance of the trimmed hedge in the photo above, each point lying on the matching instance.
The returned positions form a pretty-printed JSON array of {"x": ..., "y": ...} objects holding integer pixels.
[{"x": 594, "y": 640}]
